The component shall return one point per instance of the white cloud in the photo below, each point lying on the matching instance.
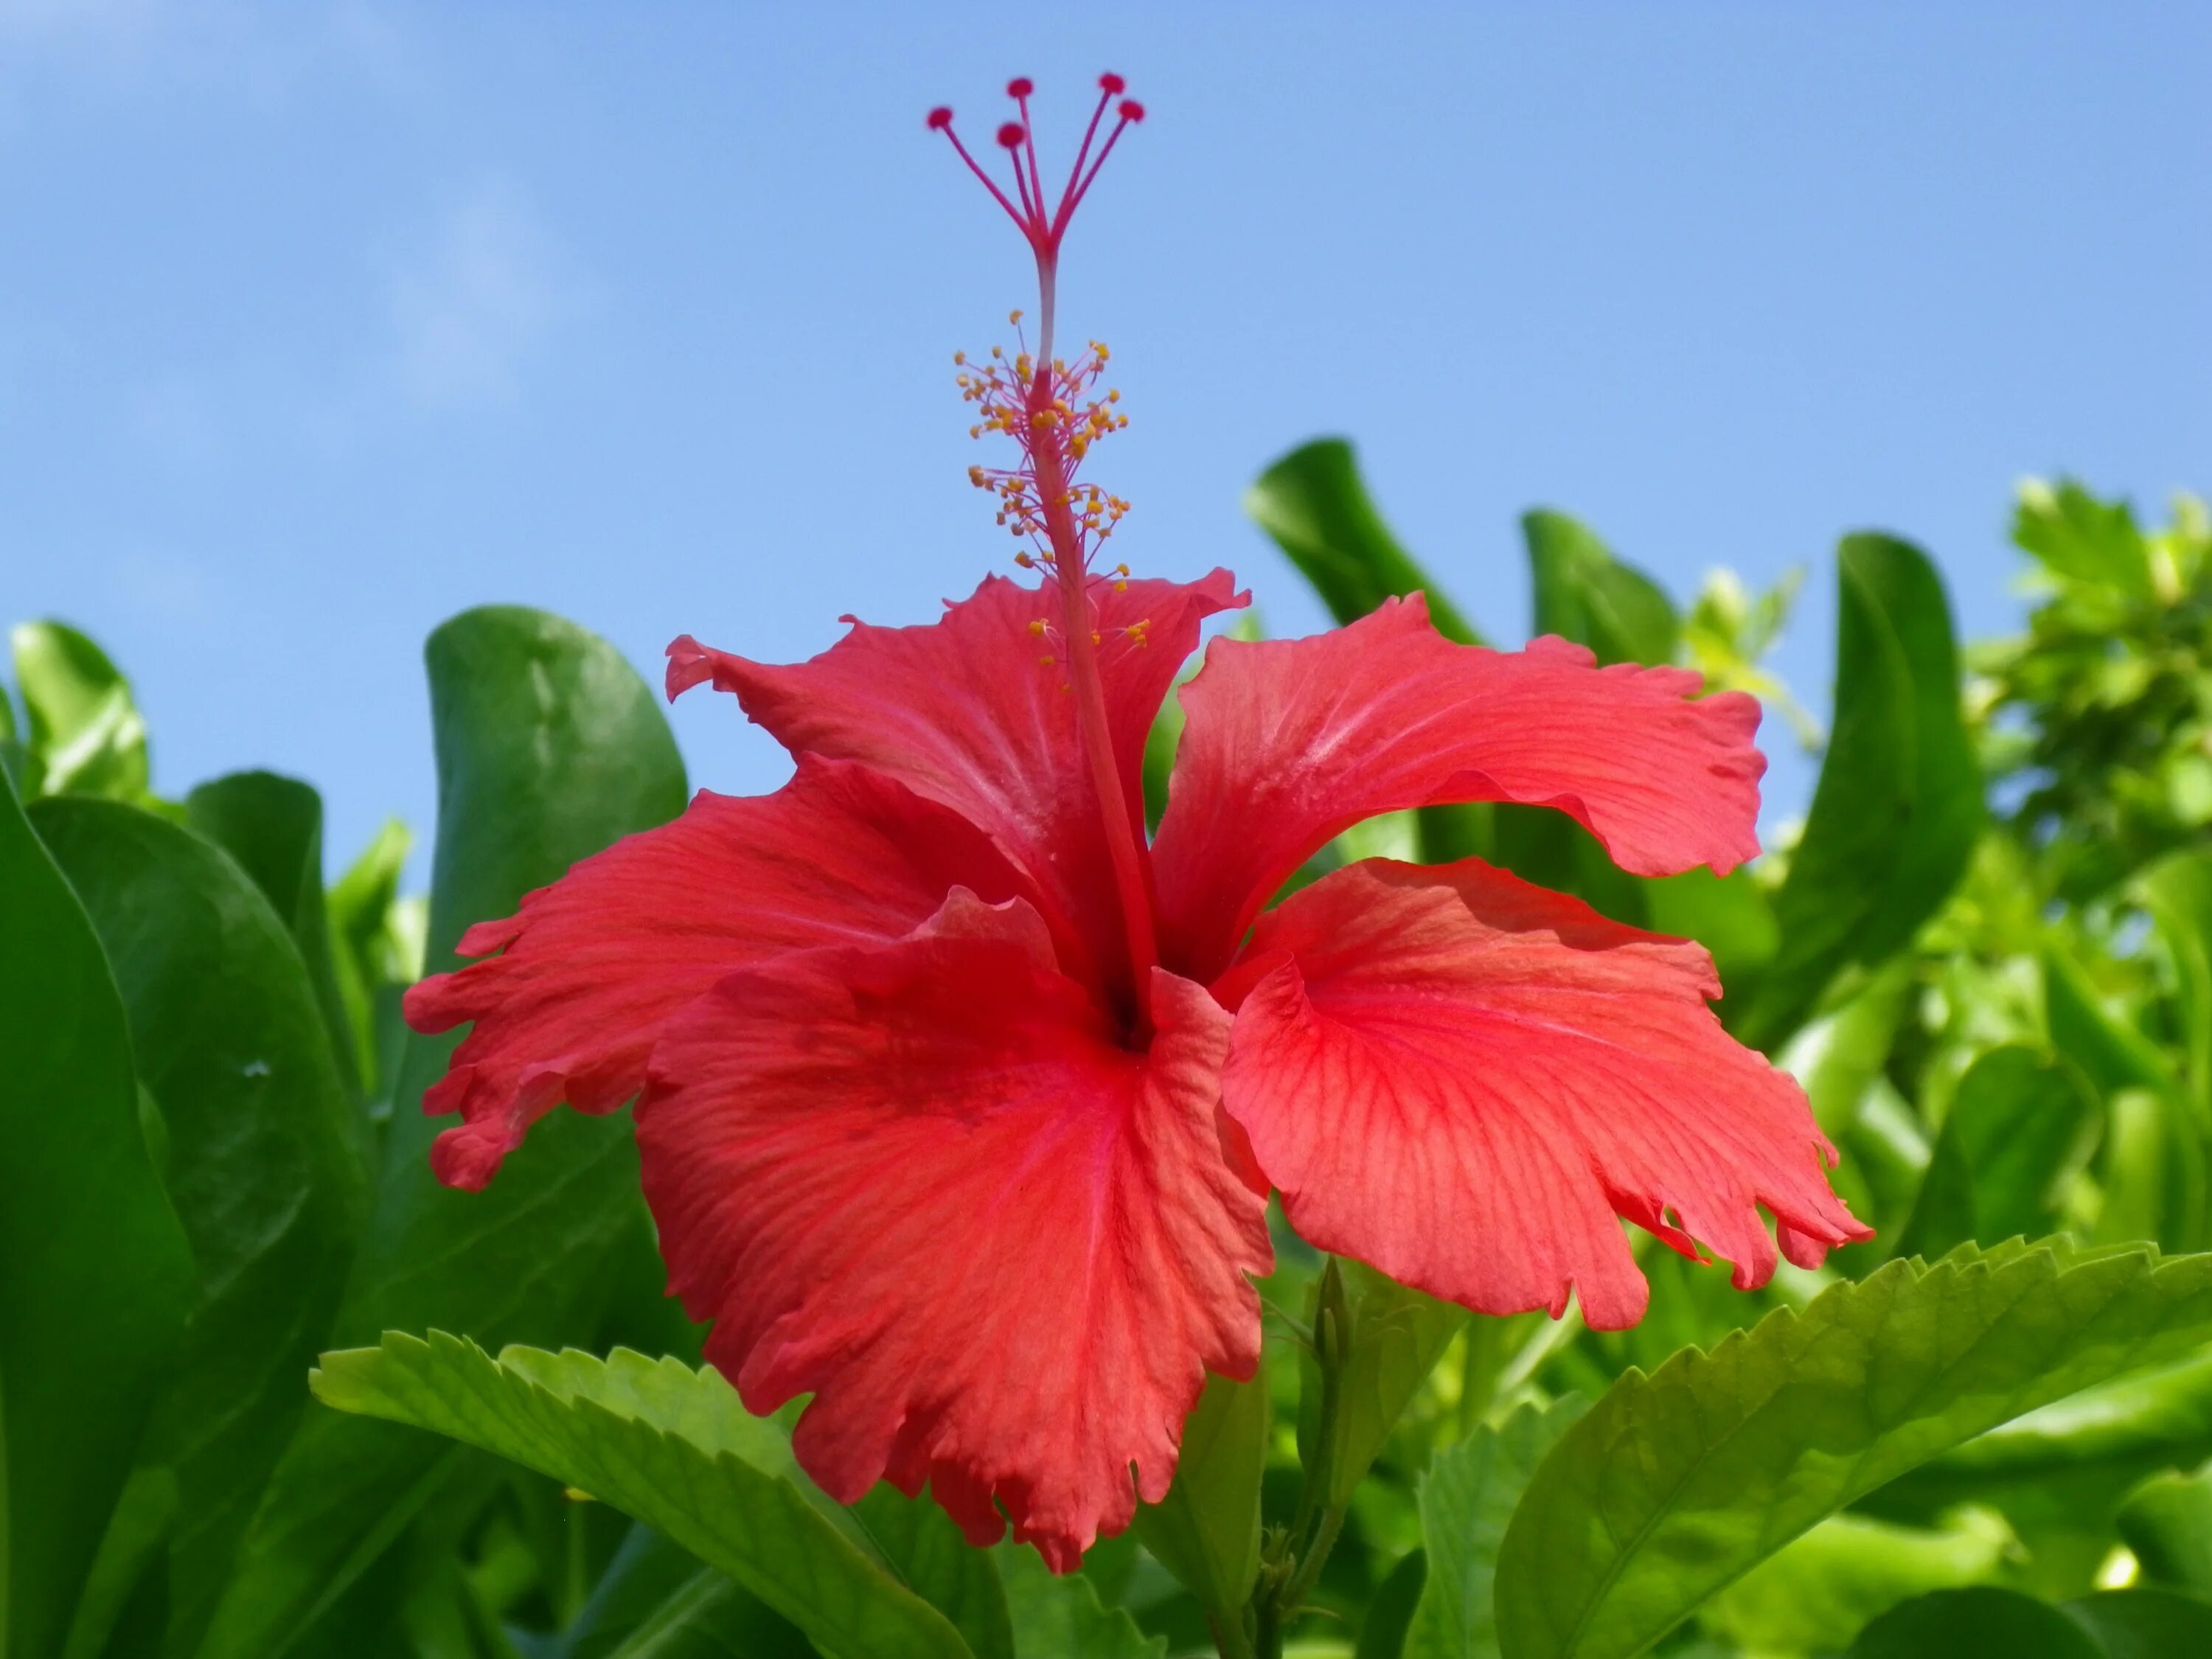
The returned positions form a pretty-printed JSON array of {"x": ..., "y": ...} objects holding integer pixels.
[{"x": 477, "y": 300}]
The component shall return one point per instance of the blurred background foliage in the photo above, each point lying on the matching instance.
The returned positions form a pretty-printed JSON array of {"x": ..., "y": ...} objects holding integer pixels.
[{"x": 1986, "y": 950}]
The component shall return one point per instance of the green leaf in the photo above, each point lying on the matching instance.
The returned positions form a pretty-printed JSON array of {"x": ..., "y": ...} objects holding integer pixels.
[
  {"x": 1821, "y": 1591},
  {"x": 2111, "y": 1053},
  {"x": 261, "y": 1164},
  {"x": 1389, "y": 1616},
  {"x": 2177, "y": 890},
  {"x": 656, "y": 1601},
  {"x": 924, "y": 1547},
  {"x": 1899, "y": 804},
  {"x": 1679, "y": 1483},
  {"x": 377, "y": 950},
  {"x": 2167, "y": 1522},
  {"x": 2020, "y": 1128},
  {"x": 549, "y": 748},
  {"x": 1467, "y": 1499},
  {"x": 1206, "y": 1530},
  {"x": 2145, "y": 1624},
  {"x": 1393, "y": 1338},
  {"x": 1585, "y": 594},
  {"x": 1314, "y": 505},
  {"x": 668, "y": 1446},
  {"x": 1982, "y": 1623},
  {"x": 1061, "y": 1618},
  {"x": 86, "y": 735},
  {"x": 273, "y": 826},
  {"x": 98, "y": 1281},
  {"x": 1730, "y": 915},
  {"x": 2078, "y": 537}
]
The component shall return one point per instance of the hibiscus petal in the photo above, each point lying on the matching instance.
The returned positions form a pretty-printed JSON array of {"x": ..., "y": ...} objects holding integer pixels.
[
  {"x": 1462, "y": 1080},
  {"x": 1291, "y": 742},
  {"x": 591, "y": 968},
  {"x": 963, "y": 712},
  {"x": 925, "y": 1184}
]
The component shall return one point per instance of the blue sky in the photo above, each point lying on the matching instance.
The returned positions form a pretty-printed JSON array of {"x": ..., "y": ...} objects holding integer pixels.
[{"x": 319, "y": 323}]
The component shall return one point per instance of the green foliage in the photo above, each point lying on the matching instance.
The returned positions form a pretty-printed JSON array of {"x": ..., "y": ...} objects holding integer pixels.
[
  {"x": 262, "y": 1164},
  {"x": 548, "y": 747},
  {"x": 1206, "y": 1530},
  {"x": 85, "y": 735},
  {"x": 1062, "y": 1617},
  {"x": 1467, "y": 1498},
  {"x": 1315, "y": 504},
  {"x": 1585, "y": 594},
  {"x": 98, "y": 1278},
  {"x": 1675, "y": 1484},
  {"x": 1899, "y": 803},
  {"x": 671, "y": 1447}
]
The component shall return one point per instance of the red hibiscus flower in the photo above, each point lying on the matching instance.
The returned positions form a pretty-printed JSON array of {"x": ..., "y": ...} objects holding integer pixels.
[{"x": 958, "y": 1101}]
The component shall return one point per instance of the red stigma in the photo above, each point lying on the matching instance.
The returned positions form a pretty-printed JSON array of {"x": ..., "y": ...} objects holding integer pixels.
[{"x": 1043, "y": 221}]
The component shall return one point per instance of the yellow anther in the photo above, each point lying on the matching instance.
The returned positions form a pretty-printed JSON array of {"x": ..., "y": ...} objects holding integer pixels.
[
  {"x": 1121, "y": 587},
  {"x": 1114, "y": 396},
  {"x": 1015, "y": 318},
  {"x": 959, "y": 356},
  {"x": 1047, "y": 660},
  {"x": 1096, "y": 638},
  {"x": 1038, "y": 629},
  {"x": 1025, "y": 560}
]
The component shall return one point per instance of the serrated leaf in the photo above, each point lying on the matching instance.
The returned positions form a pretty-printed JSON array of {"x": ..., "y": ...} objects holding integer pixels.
[
  {"x": 1467, "y": 1499},
  {"x": 668, "y": 1446},
  {"x": 86, "y": 736},
  {"x": 98, "y": 1280},
  {"x": 1677, "y": 1483},
  {"x": 2078, "y": 537},
  {"x": 548, "y": 747},
  {"x": 1061, "y": 1618},
  {"x": 261, "y": 1164},
  {"x": 1899, "y": 804}
]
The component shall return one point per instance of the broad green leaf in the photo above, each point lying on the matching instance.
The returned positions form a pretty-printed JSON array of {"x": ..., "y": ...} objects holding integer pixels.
[
  {"x": 549, "y": 748},
  {"x": 86, "y": 736},
  {"x": 1585, "y": 594},
  {"x": 2111, "y": 1053},
  {"x": 2145, "y": 1624},
  {"x": 1982, "y": 1622},
  {"x": 1899, "y": 804},
  {"x": 1314, "y": 505},
  {"x": 923, "y": 1547},
  {"x": 668, "y": 1446},
  {"x": 377, "y": 949},
  {"x": 2178, "y": 893},
  {"x": 131, "y": 1569},
  {"x": 1061, "y": 1618},
  {"x": 2078, "y": 537},
  {"x": 1206, "y": 1530},
  {"x": 1730, "y": 915},
  {"x": 1820, "y": 1591},
  {"x": 1676, "y": 1484},
  {"x": 1393, "y": 1337},
  {"x": 261, "y": 1164},
  {"x": 98, "y": 1280},
  {"x": 1390, "y": 1615},
  {"x": 2020, "y": 1126},
  {"x": 1467, "y": 1499},
  {"x": 273, "y": 826},
  {"x": 656, "y": 1601},
  {"x": 2167, "y": 1522}
]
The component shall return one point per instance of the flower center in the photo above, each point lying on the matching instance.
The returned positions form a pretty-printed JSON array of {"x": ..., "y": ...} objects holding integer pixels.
[{"x": 1050, "y": 409}]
